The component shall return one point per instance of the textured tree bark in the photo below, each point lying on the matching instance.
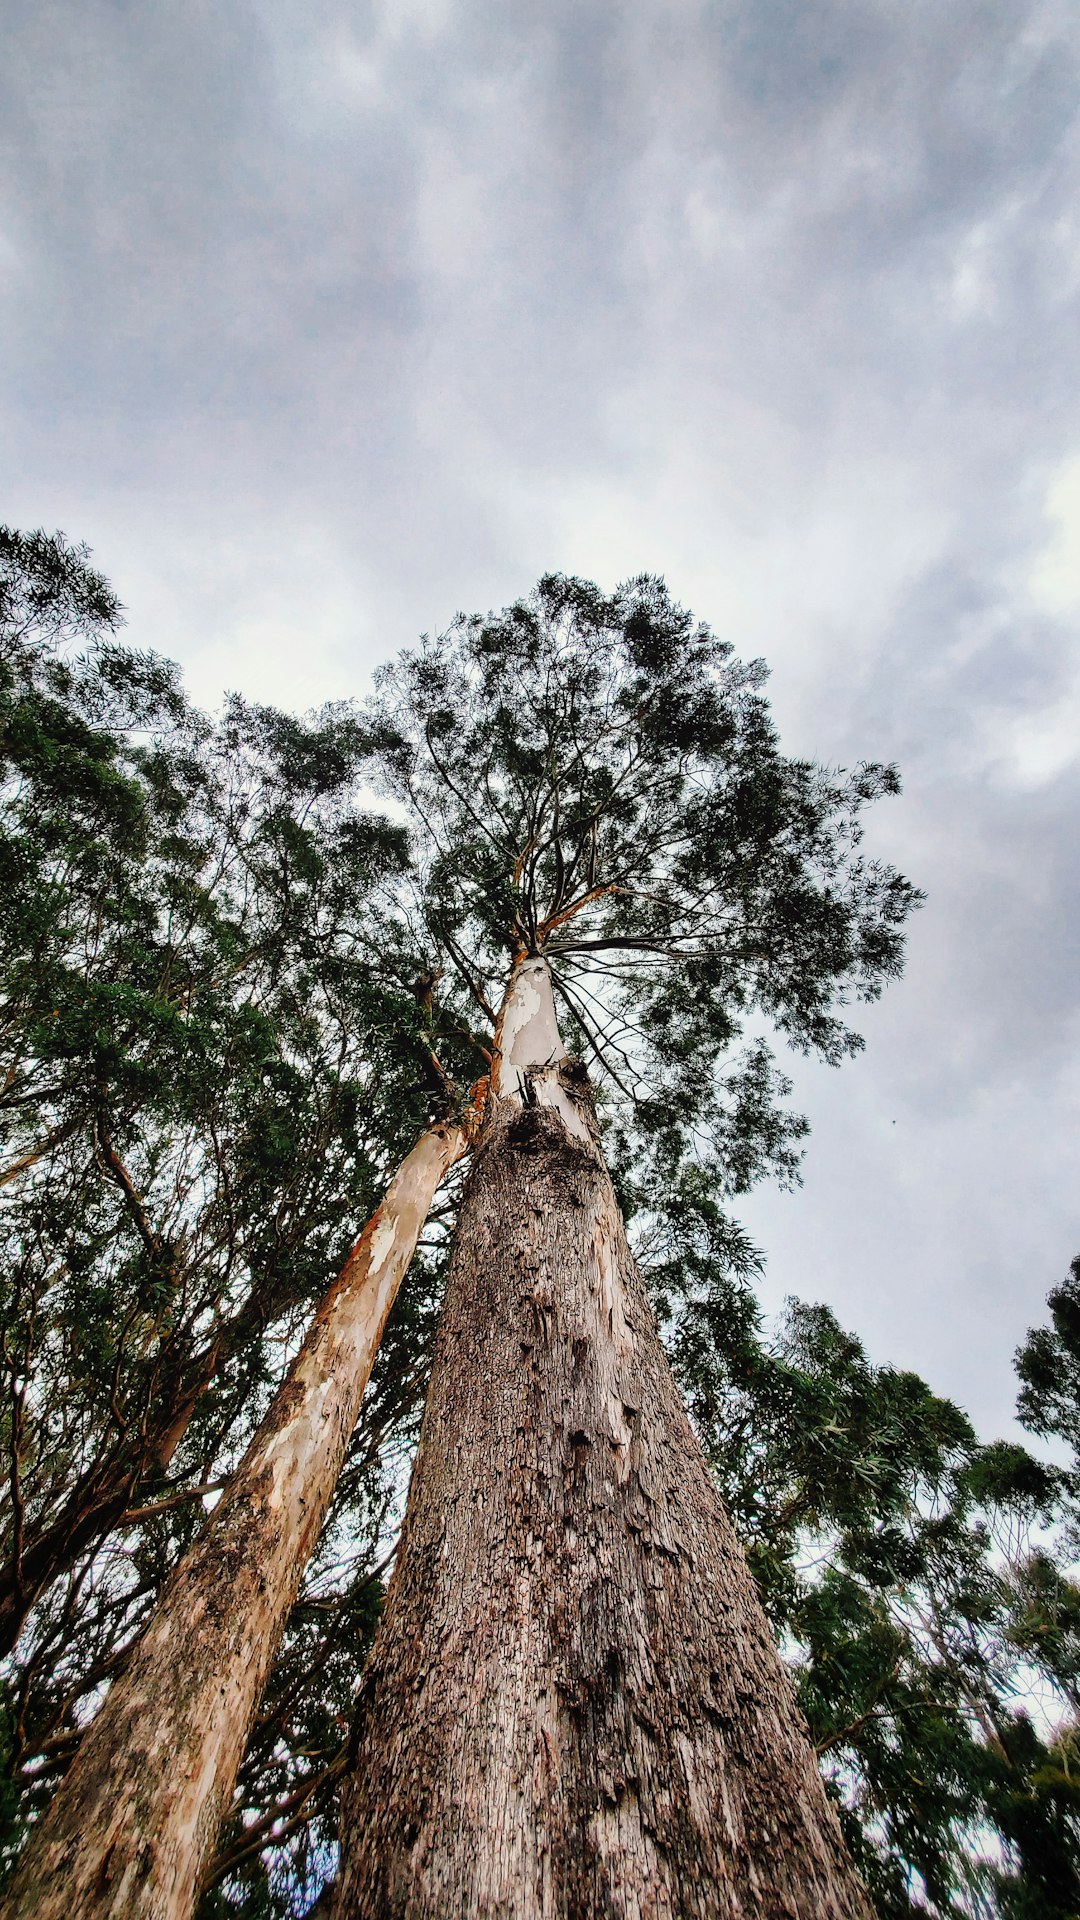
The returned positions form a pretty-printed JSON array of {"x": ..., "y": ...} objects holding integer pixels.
[
  {"x": 574, "y": 1707},
  {"x": 134, "y": 1823}
]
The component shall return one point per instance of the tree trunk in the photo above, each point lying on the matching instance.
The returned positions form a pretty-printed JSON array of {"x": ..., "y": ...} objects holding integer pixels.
[
  {"x": 574, "y": 1707},
  {"x": 133, "y": 1825}
]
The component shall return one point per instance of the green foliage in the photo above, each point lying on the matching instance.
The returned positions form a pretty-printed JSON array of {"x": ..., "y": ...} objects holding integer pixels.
[
  {"x": 908, "y": 1572},
  {"x": 229, "y": 998},
  {"x": 210, "y": 1058},
  {"x": 597, "y": 778},
  {"x": 1049, "y": 1368},
  {"x": 593, "y": 775}
]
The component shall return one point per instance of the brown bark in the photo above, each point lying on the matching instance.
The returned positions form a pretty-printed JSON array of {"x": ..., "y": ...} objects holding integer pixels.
[
  {"x": 574, "y": 1707},
  {"x": 133, "y": 1825}
]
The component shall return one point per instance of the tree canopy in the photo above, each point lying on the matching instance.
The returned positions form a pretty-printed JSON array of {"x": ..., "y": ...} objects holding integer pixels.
[
  {"x": 231, "y": 992},
  {"x": 211, "y": 1058},
  {"x": 597, "y": 778}
]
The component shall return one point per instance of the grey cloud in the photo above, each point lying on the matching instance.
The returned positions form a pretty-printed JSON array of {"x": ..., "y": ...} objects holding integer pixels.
[{"x": 320, "y": 324}]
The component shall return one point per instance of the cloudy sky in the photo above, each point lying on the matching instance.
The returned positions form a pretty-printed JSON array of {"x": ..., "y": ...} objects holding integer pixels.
[{"x": 321, "y": 322}]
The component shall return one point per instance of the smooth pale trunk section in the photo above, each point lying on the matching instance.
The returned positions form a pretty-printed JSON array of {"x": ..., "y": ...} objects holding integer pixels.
[
  {"x": 529, "y": 1046},
  {"x": 574, "y": 1708},
  {"x": 135, "y": 1823}
]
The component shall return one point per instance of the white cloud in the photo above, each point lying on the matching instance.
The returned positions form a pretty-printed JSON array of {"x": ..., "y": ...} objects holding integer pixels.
[{"x": 1055, "y": 576}]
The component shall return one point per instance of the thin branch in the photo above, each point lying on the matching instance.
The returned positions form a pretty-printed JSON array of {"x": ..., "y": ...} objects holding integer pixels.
[
  {"x": 259, "y": 1834},
  {"x": 51, "y": 1140},
  {"x": 115, "y": 1166},
  {"x": 136, "y": 1515}
]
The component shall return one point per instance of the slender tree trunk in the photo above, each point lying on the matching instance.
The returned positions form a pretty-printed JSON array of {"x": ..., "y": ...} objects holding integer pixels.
[
  {"x": 574, "y": 1707},
  {"x": 135, "y": 1822}
]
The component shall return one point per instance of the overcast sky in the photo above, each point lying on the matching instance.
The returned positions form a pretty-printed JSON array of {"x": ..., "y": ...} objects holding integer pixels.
[{"x": 323, "y": 321}]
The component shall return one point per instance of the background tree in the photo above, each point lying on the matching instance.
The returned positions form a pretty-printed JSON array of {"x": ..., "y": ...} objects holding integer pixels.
[
  {"x": 133, "y": 1827},
  {"x": 931, "y": 1625},
  {"x": 212, "y": 1057}
]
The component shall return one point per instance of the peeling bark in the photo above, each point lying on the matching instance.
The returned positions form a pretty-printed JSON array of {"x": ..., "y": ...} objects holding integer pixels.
[
  {"x": 134, "y": 1823},
  {"x": 574, "y": 1707}
]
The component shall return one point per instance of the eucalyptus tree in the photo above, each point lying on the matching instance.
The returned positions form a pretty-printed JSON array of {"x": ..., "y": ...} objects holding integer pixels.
[
  {"x": 135, "y": 1823},
  {"x": 574, "y": 1704},
  {"x": 213, "y": 1058},
  {"x": 203, "y": 1069},
  {"x": 893, "y": 1554},
  {"x": 933, "y": 1631}
]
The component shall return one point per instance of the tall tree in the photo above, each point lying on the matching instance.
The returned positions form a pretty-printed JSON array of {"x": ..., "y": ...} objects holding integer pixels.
[
  {"x": 866, "y": 1506},
  {"x": 212, "y": 1053},
  {"x": 869, "y": 1512},
  {"x": 210, "y": 1066},
  {"x": 574, "y": 1704}
]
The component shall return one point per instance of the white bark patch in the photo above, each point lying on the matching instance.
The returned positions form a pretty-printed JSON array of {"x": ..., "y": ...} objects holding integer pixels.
[
  {"x": 528, "y": 1029},
  {"x": 614, "y": 1348},
  {"x": 530, "y": 1042},
  {"x": 620, "y": 1434},
  {"x": 382, "y": 1242},
  {"x": 550, "y": 1092},
  {"x": 612, "y": 1297},
  {"x": 296, "y": 1444}
]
